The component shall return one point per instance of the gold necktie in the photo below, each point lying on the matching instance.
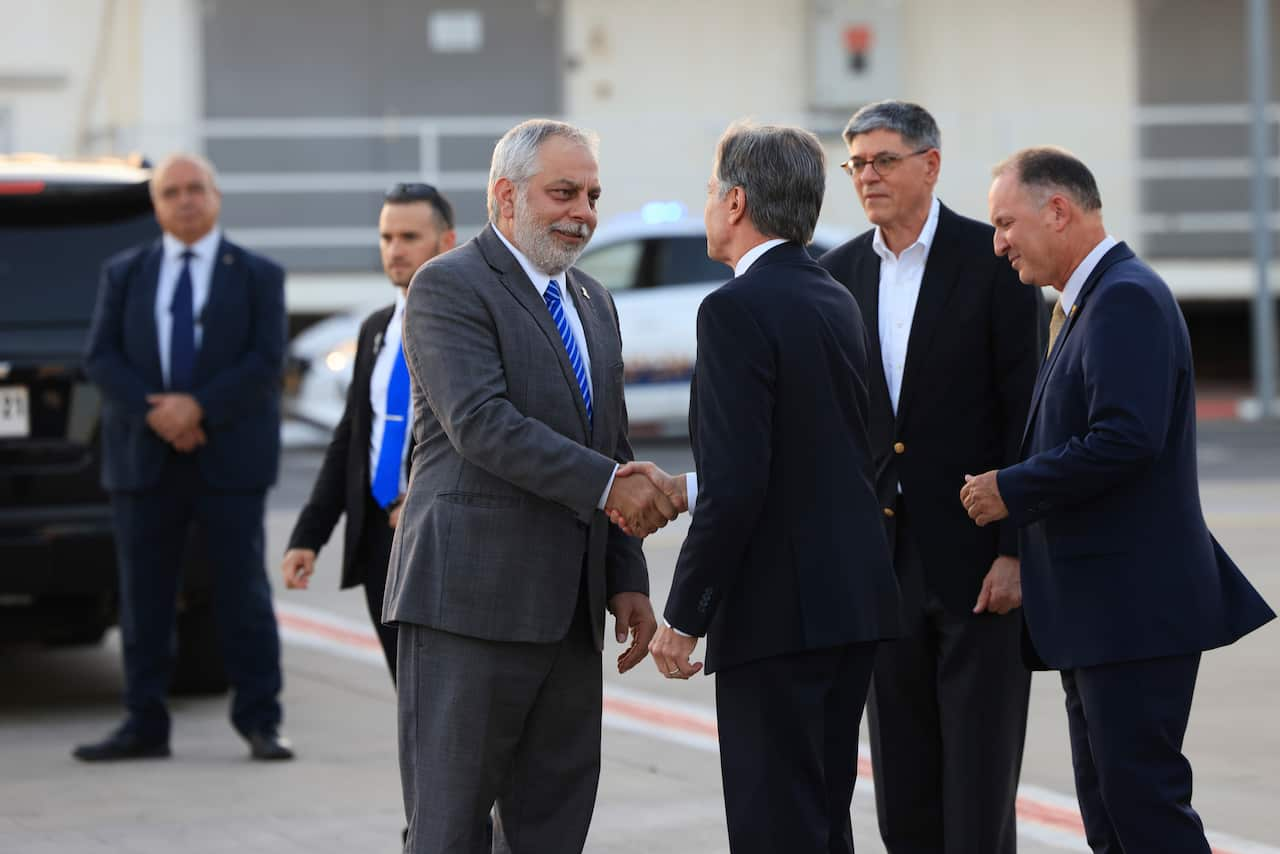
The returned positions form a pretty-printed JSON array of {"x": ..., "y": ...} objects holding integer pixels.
[{"x": 1055, "y": 326}]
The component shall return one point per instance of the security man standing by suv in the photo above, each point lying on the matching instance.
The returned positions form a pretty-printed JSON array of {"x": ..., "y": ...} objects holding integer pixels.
[
  {"x": 187, "y": 346},
  {"x": 364, "y": 472}
]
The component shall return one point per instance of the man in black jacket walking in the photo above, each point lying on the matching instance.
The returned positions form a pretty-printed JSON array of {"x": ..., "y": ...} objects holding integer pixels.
[{"x": 365, "y": 471}]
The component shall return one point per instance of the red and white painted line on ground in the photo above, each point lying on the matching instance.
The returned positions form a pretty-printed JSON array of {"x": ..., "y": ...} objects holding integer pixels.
[{"x": 1045, "y": 816}]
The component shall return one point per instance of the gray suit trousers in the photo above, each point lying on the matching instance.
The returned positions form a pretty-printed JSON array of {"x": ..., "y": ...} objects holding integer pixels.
[{"x": 485, "y": 723}]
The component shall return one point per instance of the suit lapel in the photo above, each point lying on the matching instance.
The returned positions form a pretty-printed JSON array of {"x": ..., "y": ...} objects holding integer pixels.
[
  {"x": 225, "y": 264},
  {"x": 940, "y": 275},
  {"x": 595, "y": 326},
  {"x": 865, "y": 282},
  {"x": 517, "y": 283},
  {"x": 150, "y": 284},
  {"x": 1118, "y": 252},
  {"x": 363, "y": 379}
]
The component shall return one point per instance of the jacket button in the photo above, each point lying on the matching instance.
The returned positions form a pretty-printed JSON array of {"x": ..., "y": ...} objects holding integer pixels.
[
  {"x": 899, "y": 448},
  {"x": 888, "y": 512}
]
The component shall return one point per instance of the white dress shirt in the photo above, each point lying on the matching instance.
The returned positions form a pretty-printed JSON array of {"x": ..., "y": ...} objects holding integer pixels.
[
  {"x": 378, "y": 382},
  {"x": 1071, "y": 291},
  {"x": 900, "y": 278},
  {"x": 541, "y": 281},
  {"x": 205, "y": 256}
]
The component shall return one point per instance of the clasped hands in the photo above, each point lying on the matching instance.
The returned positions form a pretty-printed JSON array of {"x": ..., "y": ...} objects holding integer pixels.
[
  {"x": 644, "y": 498},
  {"x": 176, "y": 419}
]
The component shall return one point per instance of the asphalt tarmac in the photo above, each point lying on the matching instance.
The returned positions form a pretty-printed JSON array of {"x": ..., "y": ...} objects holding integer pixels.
[{"x": 660, "y": 786}]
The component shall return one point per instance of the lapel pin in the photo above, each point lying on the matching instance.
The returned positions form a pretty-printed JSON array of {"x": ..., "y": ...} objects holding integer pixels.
[
  {"x": 1074, "y": 309},
  {"x": 228, "y": 259},
  {"x": 585, "y": 295}
]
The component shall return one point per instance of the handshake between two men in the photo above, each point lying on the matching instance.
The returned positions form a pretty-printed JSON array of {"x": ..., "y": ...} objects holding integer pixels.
[{"x": 644, "y": 498}]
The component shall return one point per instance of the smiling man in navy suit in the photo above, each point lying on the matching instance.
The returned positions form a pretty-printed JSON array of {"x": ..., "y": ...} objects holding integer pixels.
[
  {"x": 1123, "y": 586},
  {"x": 187, "y": 347}
]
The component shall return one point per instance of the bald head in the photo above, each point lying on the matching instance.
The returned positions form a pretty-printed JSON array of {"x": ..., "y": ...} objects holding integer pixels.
[{"x": 184, "y": 192}]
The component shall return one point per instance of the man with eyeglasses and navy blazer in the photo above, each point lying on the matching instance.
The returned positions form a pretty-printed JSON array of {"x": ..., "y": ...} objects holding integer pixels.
[
  {"x": 187, "y": 347},
  {"x": 365, "y": 468}
]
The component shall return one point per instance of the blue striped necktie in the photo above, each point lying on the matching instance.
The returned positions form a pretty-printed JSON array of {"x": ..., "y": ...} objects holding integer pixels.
[
  {"x": 182, "y": 332},
  {"x": 386, "y": 478},
  {"x": 556, "y": 307}
]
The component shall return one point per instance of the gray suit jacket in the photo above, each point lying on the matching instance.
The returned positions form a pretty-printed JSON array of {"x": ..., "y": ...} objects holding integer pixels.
[{"x": 506, "y": 474}]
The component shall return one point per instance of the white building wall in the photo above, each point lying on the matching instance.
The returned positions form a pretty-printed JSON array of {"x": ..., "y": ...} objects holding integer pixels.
[
  {"x": 100, "y": 76},
  {"x": 1000, "y": 75},
  {"x": 661, "y": 80}
]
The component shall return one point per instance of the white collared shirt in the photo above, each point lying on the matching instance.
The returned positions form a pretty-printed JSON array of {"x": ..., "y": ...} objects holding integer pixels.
[
  {"x": 379, "y": 379},
  {"x": 1071, "y": 291},
  {"x": 900, "y": 278},
  {"x": 202, "y": 264},
  {"x": 541, "y": 281},
  {"x": 753, "y": 254}
]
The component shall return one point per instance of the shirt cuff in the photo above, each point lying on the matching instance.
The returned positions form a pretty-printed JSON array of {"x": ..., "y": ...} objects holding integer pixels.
[
  {"x": 691, "y": 492},
  {"x": 674, "y": 629},
  {"x": 604, "y": 496}
]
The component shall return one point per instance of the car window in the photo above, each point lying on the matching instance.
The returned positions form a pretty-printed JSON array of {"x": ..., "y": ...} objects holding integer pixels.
[
  {"x": 684, "y": 261},
  {"x": 51, "y": 257},
  {"x": 615, "y": 266}
]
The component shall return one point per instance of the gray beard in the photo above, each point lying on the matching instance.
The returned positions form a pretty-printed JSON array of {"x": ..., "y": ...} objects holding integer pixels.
[{"x": 537, "y": 243}]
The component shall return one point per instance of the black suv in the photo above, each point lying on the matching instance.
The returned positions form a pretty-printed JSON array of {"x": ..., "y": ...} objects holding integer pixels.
[{"x": 59, "y": 220}]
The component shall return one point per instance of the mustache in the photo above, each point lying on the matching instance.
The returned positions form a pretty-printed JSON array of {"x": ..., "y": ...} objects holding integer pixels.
[{"x": 573, "y": 229}]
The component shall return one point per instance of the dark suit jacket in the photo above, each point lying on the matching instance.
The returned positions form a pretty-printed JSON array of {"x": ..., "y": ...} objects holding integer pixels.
[
  {"x": 785, "y": 551},
  {"x": 343, "y": 482},
  {"x": 1117, "y": 563},
  {"x": 237, "y": 371},
  {"x": 501, "y": 523},
  {"x": 972, "y": 358}
]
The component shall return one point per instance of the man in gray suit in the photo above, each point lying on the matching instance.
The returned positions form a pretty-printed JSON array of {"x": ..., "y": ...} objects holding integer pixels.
[{"x": 504, "y": 560}]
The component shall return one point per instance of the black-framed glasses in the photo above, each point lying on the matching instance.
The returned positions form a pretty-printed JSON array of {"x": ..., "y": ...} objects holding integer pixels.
[{"x": 883, "y": 163}]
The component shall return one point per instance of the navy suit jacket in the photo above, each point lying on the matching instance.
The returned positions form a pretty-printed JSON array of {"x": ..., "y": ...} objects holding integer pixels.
[
  {"x": 236, "y": 379},
  {"x": 786, "y": 550},
  {"x": 1117, "y": 562}
]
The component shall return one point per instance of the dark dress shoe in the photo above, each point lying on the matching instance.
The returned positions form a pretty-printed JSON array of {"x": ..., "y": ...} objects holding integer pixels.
[
  {"x": 269, "y": 746},
  {"x": 121, "y": 745}
]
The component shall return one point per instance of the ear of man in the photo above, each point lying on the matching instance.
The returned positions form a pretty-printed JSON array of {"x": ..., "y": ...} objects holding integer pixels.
[
  {"x": 505, "y": 191},
  {"x": 737, "y": 205}
]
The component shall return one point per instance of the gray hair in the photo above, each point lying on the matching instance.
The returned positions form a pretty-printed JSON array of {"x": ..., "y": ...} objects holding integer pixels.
[
  {"x": 1047, "y": 170},
  {"x": 201, "y": 162},
  {"x": 515, "y": 157},
  {"x": 782, "y": 171},
  {"x": 910, "y": 121}
]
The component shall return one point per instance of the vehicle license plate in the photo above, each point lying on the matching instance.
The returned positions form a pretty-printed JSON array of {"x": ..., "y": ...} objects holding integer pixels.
[{"x": 15, "y": 412}]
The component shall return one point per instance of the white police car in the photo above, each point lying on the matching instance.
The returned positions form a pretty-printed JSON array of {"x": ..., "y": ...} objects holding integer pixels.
[{"x": 654, "y": 261}]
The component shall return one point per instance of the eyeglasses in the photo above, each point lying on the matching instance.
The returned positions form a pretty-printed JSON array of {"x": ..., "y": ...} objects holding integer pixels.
[{"x": 883, "y": 163}]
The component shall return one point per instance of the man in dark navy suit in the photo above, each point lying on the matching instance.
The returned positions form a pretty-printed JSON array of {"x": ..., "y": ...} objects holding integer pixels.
[
  {"x": 187, "y": 345},
  {"x": 786, "y": 567},
  {"x": 363, "y": 474},
  {"x": 1123, "y": 586}
]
